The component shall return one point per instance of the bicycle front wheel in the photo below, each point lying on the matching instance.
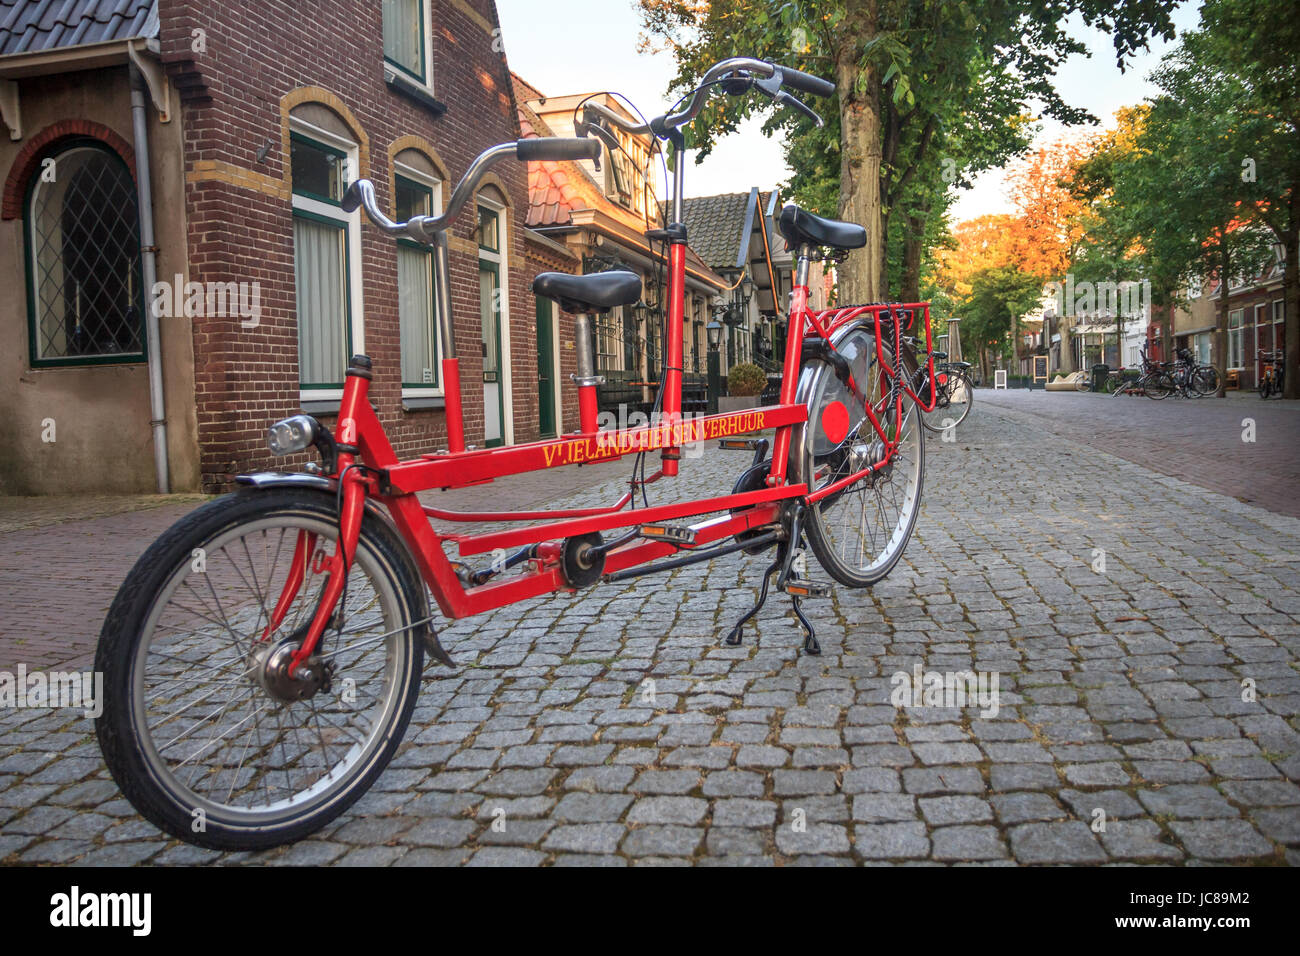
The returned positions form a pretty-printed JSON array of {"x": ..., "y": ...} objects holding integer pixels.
[
  {"x": 1161, "y": 385},
  {"x": 204, "y": 730},
  {"x": 955, "y": 398},
  {"x": 858, "y": 532}
]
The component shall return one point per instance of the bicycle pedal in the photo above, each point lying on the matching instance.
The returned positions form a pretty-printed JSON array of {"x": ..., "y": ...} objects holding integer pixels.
[
  {"x": 673, "y": 534},
  {"x": 807, "y": 589},
  {"x": 739, "y": 444}
]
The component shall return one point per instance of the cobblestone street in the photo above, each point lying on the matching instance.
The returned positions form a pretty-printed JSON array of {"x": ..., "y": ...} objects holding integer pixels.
[{"x": 1127, "y": 614}]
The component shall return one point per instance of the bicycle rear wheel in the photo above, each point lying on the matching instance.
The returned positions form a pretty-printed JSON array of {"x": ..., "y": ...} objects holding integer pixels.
[
  {"x": 1206, "y": 379},
  {"x": 860, "y": 531},
  {"x": 203, "y": 728}
]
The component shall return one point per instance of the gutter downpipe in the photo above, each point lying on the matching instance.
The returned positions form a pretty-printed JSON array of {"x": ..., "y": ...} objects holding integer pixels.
[{"x": 149, "y": 265}]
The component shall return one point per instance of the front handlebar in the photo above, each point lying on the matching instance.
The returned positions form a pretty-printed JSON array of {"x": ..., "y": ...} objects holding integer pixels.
[{"x": 770, "y": 78}]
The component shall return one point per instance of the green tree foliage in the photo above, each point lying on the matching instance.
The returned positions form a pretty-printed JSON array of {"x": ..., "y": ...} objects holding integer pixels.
[
  {"x": 929, "y": 92},
  {"x": 1188, "y": 197}
]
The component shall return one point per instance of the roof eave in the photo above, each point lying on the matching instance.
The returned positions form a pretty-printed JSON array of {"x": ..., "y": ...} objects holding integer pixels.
[{"x": 71, "y": 59}]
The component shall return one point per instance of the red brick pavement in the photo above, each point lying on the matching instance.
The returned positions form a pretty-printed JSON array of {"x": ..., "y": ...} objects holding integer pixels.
[{"x": 1197, "y": 440}]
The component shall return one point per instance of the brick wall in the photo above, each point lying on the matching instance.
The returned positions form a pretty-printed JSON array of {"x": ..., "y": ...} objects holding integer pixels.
[{"x": 236, "y": 93}]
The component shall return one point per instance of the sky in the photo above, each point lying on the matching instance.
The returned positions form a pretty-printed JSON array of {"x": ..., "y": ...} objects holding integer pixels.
[{"x": 582, "y": 46}]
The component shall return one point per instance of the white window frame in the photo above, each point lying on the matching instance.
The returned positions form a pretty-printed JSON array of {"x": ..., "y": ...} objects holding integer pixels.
[
  {"x": 426, "y": 16},
  {"x": 1238, "y": 332},
  {"x": 501, "y": 259},
  {"x": 352, "y": 224},
  {"x": 1261, "y": 310},
  {"x": 435, "y": 185}
]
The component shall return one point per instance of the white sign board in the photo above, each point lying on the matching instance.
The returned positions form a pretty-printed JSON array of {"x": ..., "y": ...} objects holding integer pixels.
[{"x": 1000, "y": 378}]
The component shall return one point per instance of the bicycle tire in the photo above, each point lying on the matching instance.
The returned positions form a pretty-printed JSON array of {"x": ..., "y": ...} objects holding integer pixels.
[
  {"x": 1160, "y": 386},
  {"x": 1208, "y": 377},
  {"x": 148, "y": 772},
  {"x": 952, "y": 406},
  {"x": 815, "y": 459},
  {"x": 965, "y": 389}
]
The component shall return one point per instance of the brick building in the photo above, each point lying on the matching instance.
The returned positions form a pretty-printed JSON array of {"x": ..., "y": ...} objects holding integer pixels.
[
  {"x": 252, "y": 119},
  {"x": 1256, "y": 321}
]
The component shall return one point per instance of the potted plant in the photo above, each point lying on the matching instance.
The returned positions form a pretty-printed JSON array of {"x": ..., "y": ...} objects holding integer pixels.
[{"x": 745, "y": 382}]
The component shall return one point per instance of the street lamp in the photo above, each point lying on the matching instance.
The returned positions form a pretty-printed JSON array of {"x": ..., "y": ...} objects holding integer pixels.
[{"x": 714, "y": 330}]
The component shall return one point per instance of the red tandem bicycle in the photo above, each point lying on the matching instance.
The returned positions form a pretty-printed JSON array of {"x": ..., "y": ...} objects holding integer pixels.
[{"x": 263, "y": 658}]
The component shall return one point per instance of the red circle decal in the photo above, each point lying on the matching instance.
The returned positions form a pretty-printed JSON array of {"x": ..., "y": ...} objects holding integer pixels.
[{"x": 835, "y": 422}]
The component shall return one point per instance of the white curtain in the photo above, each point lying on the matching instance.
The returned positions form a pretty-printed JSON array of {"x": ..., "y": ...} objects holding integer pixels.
[
  {"x": 488, "y": 305},
  {"x": 415, "y": 312},
  {"x": 402, "y": 27},
  {"x": 319, "y": 266}
]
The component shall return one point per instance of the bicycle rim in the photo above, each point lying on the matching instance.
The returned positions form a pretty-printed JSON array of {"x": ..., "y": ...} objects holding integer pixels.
[{"x": 859, "y": 533}]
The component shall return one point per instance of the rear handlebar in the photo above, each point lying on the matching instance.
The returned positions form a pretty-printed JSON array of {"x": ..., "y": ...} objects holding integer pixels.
[{"x": 361, "y": 194}]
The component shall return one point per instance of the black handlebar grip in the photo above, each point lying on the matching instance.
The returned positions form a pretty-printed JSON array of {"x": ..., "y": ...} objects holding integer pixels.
[
  {"x": 555, "y": 148},
  {"x": 806, "y": 82}
]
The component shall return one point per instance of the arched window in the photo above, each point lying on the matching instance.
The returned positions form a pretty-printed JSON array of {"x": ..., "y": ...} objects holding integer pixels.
[
  {"x": 417, "y": 191},
  {"x": 327, "y": 249},
  {"x": 85, "y": 300}
]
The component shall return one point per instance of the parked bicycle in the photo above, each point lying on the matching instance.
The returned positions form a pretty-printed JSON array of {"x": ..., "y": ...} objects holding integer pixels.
[
  {"x": 946, "y": 403},
  {"x": 1108, "y": 385},
  {"x": 263, "y": 658},
  {"x": 1194, "y": 379},
  {"x": 1272, "y": 372}
]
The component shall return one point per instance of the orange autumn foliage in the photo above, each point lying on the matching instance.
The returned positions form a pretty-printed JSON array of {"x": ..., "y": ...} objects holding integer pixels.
[
  {"x": 979, "y": 244},
  {"x": 1049, "y": 222}
]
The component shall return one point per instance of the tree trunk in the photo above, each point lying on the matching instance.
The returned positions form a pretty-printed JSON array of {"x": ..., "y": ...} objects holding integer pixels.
[
  {"x": 860, "y": 276},
  {"x": 910, "y": 290},
  {"x": 1067, "y": 351},
  {"x": 1221, "y": 326},
  {"x": 1291, "y": 300},
  {"x": 1167, "y": 329}
]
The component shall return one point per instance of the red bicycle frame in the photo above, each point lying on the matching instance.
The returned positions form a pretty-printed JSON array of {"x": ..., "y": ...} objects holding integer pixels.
[{"x": 368, "y": 469}]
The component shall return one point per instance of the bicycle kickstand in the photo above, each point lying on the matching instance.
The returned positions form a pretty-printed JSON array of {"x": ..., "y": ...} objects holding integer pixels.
[
  {"x": 734, "y": 638},
  {"x": 789, "y": 572}
]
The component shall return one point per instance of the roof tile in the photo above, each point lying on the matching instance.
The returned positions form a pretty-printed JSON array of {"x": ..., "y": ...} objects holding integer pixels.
[{"x": 29, "y": 26}]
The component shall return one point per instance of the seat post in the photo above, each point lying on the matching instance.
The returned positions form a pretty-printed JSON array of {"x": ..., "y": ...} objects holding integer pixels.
[
  {"x": 801, "y": 268},
  {"x": 586, "y": 378}
]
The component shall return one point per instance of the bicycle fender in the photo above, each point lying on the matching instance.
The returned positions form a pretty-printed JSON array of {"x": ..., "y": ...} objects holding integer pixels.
[
  {"x": 265, "y": 480},
  {"x": 262, "y": 480}
]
